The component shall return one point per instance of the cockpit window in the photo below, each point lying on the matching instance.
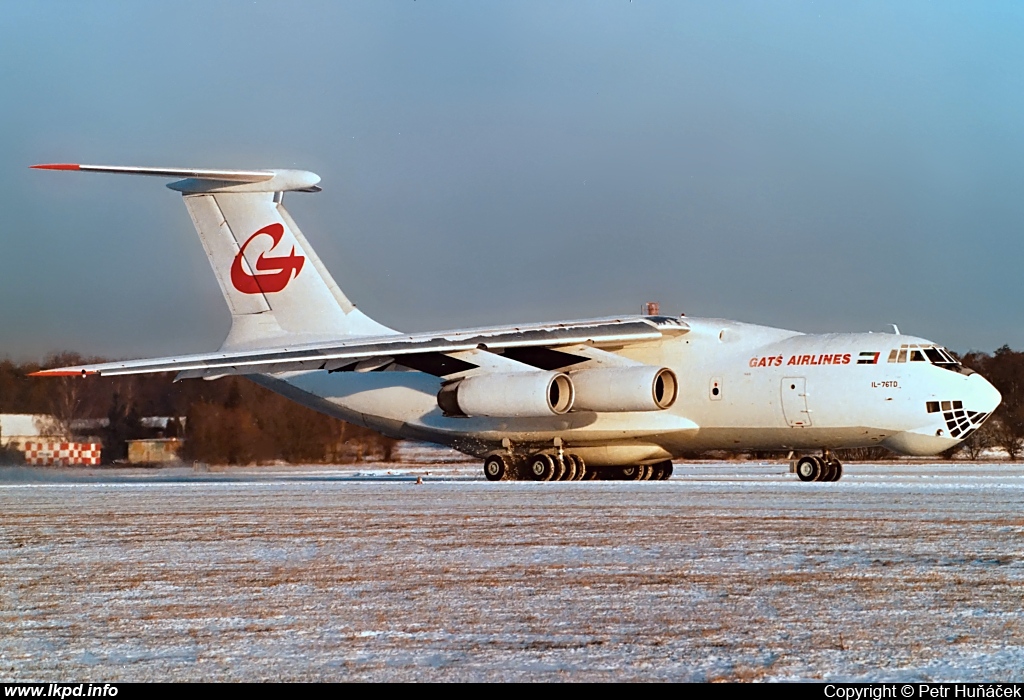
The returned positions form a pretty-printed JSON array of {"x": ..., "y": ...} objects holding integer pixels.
[{"x": 933, "y": 354}]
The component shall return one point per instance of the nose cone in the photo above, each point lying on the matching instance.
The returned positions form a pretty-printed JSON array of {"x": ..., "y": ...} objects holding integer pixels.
[
  {"x": 971, "y": 404},
  {"x": 981, "y": 395}
]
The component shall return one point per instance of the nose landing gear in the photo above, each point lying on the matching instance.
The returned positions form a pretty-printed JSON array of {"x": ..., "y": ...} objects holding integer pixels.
[{"x": 814, "y": 468}]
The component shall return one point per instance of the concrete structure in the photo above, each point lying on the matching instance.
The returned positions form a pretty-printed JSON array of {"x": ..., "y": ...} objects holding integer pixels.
[{"x": 155, "y": 451}]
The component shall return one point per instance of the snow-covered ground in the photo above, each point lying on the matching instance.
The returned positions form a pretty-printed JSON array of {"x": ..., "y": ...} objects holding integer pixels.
[{"x": 733, "y": 571}]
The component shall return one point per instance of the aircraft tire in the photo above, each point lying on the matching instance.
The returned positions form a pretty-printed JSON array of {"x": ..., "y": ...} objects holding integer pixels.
[
  {"x": 836, "y": 470},
  {"x": 581, "y": 468},
  {"x": 560, "y": 468},
  {"x": 542, "y": 467},
  {"x": 661, "y": 471},
  {"x": 594, "y": 473},
  {"x": 631, "y": 472},
  {"x": 570, "y": 468},
  {"x": 828, "y": 471},
  {"x": 498, "y": 468},
  {"x": 809, "y": 468}
]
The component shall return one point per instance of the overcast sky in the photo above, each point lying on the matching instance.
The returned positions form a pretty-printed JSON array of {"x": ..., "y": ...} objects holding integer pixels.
[{"x": 816, "y": 166}]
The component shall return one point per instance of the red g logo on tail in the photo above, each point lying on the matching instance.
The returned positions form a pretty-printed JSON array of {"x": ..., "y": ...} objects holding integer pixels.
[{"x": 272, "y": 273}]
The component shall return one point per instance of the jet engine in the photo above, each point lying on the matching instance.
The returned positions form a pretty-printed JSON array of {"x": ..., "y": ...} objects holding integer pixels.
[
  {"x": 515, "y": 395},
  {"x": 619, "y": 389}
]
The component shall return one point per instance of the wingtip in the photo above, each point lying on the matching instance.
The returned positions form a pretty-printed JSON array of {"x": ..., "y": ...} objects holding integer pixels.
[
  {"x": 56, "y": 166},
  {"x": 61, "y": 373}
]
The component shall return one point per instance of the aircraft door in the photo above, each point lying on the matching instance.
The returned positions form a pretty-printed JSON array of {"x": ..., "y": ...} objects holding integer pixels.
[{"x": 794, "y": 402}]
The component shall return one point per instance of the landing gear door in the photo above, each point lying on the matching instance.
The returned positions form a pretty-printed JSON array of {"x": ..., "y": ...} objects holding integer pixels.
[{"x": 794, "y": 402}]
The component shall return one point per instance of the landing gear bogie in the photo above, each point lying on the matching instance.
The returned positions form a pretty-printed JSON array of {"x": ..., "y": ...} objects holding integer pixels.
[{"x": 552, "y": 466}]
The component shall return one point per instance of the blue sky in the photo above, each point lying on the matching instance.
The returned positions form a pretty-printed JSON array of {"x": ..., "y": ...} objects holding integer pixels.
[{"x": 816, "y": 166}]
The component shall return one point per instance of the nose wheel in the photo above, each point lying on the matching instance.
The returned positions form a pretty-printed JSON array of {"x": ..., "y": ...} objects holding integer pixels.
[
  {"x": 835, "y": 470},
  {"x": 814, "y": 468}
]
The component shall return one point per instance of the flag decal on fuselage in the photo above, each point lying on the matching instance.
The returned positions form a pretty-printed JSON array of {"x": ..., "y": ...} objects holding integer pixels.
[{"x": 868, "y": 358}]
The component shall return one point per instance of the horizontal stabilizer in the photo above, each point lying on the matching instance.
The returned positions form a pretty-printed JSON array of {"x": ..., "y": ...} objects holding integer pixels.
[{"x": 203, "y": 180}]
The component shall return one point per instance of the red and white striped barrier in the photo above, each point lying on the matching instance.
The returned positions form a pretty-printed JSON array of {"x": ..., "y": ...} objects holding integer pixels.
[{"x": 60, "y": 454}]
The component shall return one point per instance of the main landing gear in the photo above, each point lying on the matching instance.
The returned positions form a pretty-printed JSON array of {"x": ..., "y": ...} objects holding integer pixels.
[
  {"x": 814, "y": 468},
  {"x": 563, "y": 466}
]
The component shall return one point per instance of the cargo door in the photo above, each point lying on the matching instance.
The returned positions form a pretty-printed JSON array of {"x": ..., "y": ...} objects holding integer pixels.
[{"x": 794, "y": 402}]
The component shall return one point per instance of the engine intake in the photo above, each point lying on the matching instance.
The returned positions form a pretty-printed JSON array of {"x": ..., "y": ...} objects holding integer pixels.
[
  {"x": 620, "y": 389},
  {"x": 517, "y": 395}
]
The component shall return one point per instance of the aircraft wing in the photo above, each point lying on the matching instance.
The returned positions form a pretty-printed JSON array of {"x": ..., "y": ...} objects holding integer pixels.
[{"x": 436, "y": 353}]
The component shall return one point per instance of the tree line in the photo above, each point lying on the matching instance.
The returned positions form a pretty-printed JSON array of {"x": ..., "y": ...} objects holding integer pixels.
[
  {"x": 233, "y": 421},
  {"x": 227, "y": 421}
]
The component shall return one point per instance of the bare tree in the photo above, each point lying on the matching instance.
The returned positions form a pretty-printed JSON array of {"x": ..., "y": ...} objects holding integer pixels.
[
  {"x": 978, "y": 442},
  {"x": 66, "y": 397},
  {"x": 1008, "y": 432},
  {"x": 66, "y": 404}
]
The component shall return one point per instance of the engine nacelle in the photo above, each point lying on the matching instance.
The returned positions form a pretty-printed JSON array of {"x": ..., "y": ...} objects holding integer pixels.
[
  {"x": 619, "y": 389},
  {"x": 514, "y": 395}
]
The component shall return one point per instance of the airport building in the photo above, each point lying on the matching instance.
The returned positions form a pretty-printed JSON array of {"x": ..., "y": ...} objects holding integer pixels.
[
  {"x": 18, "y": 428},
  {"x": 41, "y": 440}
]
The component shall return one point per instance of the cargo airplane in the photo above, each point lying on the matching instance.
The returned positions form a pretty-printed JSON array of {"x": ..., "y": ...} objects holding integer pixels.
[{"x": 606, "y": 398}]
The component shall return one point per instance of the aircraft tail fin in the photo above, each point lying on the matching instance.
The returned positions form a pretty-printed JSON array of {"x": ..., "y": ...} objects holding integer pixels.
[{"x": 275, "y": 286}]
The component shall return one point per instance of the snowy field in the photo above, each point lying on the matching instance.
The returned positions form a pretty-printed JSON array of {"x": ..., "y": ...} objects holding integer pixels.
[{"x": 728, "y": 571}]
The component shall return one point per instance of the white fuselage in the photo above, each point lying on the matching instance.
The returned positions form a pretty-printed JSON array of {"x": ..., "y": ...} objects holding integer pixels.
[
  {"x": 608, "y": 392},
  {"x": 741, "y": 387}
]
